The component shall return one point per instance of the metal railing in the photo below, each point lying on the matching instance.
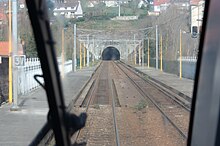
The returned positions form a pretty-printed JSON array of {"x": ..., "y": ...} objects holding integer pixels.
[
  {"x": 189, "y": 58},
  {"x": 26, "y": 81}
]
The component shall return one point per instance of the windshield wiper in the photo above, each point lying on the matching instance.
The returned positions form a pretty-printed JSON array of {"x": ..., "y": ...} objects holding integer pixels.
[{"x": 63, "y": 124}]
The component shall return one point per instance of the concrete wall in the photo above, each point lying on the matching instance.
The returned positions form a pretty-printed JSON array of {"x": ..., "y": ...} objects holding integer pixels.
[
  {"x": 125, "y": 18},
  {"x": 188, "y": 67},
  {"x": 189, "y": 70}
]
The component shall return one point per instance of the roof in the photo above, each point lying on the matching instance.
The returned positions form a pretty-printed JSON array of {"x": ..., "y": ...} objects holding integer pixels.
[
  {"x": 195, "y": 2},
  {"x": 159, "y": 2},
  {"x": 67, "y": 4},
  {"x": 2, "y": 17},
  {"x": 4, "y": 48}
]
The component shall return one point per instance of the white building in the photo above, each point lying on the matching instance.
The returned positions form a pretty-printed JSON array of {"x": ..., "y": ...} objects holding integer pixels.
[
  {"x": 161, "y": 5},
  {"x": 108, "y": 3},
  {"x": 142, "y": 3},
  {"x": 69, "y": 10},
  {"x": 111, "y": 3}
]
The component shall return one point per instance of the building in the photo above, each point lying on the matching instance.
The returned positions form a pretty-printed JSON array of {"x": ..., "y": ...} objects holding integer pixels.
[
  {"x": 161, "y": 5},
  {"x": 92, "y": 3},
  {"x": 108, "y": 3},
  {"x": 143, "y": 3},
  {"x": 197, "y": 10},
  {"x": 4, "y": 52},
  {"x": 181, "y": 4},
  {"x": 68, "y": 9},
  {"x": 3, "y": 19}
]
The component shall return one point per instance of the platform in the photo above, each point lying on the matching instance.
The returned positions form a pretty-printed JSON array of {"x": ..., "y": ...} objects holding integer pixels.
[
  {"x": 18, "y": 128},
  {"x": 183, "y": 86}
]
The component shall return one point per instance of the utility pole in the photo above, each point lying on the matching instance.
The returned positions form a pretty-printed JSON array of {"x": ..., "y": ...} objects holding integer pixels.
[
  {"x": 10, "y": 56},
  {"x": 156, "y": 47},
  {"x": 148, "y": 53},
  {"x": 93, "y": 51},
  {"x": 84, "y": 57},
  {"x": 127, "y": 51},
  {"x": 161, "y": 52},
  {"x": 139, "y": 54},
  {"x": 74, "y": 62},
  {"x": 180, "y": 58},
  {"x": 15, "y": 52},
  {"x": 119, "y": 8},
  {"x": 63, "y": 59},
  {"x": 142, "y": 61},
  {"x": 80, "y": 56},
  {"x": 135, "y": 55},
  {"x": 87, "y": 52}
]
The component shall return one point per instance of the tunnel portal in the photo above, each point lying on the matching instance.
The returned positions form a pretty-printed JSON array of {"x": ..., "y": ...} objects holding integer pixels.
[{"x": 110, "y": 53}]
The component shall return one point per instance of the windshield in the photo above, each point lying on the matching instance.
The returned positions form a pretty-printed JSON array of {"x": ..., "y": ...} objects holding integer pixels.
[{"x": 129, "y": 64}]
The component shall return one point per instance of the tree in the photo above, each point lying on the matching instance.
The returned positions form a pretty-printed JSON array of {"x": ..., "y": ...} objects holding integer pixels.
[
  {"x": 50, "y": 6},
  {"x": 30, "y": 49},
  {"x": 133, "y": 4}
]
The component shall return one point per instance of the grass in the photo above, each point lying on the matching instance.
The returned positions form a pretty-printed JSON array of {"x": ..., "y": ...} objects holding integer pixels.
[
  {"x": 141, "y": 105},
  {"x": 96, "y": 106},
  {"x": 102, "y": 20}
]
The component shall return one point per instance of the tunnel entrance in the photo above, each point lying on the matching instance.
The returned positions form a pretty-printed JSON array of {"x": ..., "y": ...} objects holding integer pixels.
[{"x": 110, "y": 53}]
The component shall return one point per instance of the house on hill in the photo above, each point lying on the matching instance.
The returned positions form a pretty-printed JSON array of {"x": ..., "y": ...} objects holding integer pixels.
[
  {"x": 108, "y": 3},
  {"x": 69, "y": 9}
]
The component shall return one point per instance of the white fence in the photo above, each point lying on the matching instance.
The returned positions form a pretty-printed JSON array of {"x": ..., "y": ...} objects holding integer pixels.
[
  {"x": 189, "y": 58},
  {"x": 26, "y": 81}
]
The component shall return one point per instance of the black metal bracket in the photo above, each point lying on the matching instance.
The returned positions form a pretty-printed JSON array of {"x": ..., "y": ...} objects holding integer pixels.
[
  {"x": 62, "y": 123},
  {"x": 36, "y": 79}
]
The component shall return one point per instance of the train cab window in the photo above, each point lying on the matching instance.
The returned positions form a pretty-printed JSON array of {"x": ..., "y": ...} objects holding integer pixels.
[{"x": 125, "y": 72}]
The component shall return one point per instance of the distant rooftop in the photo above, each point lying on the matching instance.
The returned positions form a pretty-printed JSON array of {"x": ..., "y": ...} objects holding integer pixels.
[{"x": 4, "y": 48}]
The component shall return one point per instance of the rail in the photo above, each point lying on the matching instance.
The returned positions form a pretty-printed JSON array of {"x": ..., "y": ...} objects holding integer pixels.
[
  {"x": 89, "y": 97},
  {"x": 155, "y": 104}
]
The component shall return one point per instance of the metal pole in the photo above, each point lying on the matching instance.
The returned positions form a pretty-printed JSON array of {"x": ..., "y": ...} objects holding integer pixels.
[
  {"x": 142, "y": 61},
  {"x": 119, "y": 9},
  {"x": 130, "y": 54},
  {"x": 121, "y": 53},
  {"x": 87, "y": 52},
  {"x": 126, "y": 48},
  {"x": 80, "y": 56},
  {"x": 15, "y": 52},
  {"x": 84, "y": 59},
  {"x": 74, "y": 64},
  {"x": 167, "y": 42},
  {"x": 10, "y": 57},
  {"x": 156, "y": 47},
  {"x": 93, "y": 51},
  {"x": 139, "y": 54},
  {"x": 135, "y": 55},
  {"x": 198, "y": 19},
  {"x": 161, "y": 52},
  {"x": 63, "y": 60},
  {"x": 148, "y": 54},
  {"x": 180, "y": 59}
]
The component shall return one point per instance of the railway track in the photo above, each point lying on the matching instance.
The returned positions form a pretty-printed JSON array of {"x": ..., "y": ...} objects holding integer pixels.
[
  {"x": 111, "y": 99},
  {"x": 173, "y": 93},
  {"x": 101, "y": 95},
  {"x": 171, "y": 108}
]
